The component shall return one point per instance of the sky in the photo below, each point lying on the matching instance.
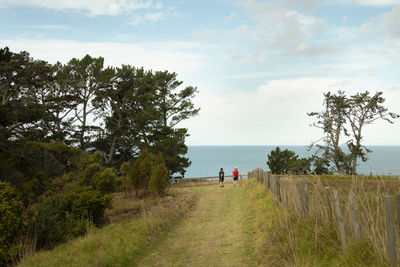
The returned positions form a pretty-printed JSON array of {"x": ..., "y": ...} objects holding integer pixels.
[{"x": 259, "y": 66}]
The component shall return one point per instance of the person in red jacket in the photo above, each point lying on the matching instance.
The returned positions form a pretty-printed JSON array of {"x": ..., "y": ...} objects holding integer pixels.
[{"x": 235, "y": 174}]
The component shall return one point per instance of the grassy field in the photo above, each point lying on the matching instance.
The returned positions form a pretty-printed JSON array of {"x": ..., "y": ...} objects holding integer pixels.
[
  {"x": 133, "y": 230},
  {"x": 194, "y": 226},
  {"x": 202, "y": 224},
  {"x": 219, "y": 232}
]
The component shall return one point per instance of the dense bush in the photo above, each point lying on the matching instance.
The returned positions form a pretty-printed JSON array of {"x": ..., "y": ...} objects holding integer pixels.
[
  {"x": 159, "y": 179},
  {"x": 30, "y": 167},
  {"x": 89, "y": 170},
  {"x": 147, "y": 174},
  {"x": 287, "y": 161},
  {"x": 141, "y": 172},
  {"x": 11, "y": 223},
  {"x": 66, "y": 214}
]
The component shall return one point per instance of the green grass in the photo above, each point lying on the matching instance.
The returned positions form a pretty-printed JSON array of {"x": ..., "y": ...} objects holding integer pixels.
[
  {"x": 230, "y": 226},
  {"x": 119, "y": 244},
  {"x": 220, "y": 232}
]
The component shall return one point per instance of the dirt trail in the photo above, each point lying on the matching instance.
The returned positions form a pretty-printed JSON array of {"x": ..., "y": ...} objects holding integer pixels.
[{"x": 218, "y": 232}]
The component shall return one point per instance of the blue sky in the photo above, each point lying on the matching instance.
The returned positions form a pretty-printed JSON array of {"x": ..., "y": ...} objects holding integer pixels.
[{"x": 260, "y": 66}]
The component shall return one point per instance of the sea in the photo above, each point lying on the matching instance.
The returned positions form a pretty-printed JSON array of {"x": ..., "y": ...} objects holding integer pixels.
[{"x": 207, "y": 160}]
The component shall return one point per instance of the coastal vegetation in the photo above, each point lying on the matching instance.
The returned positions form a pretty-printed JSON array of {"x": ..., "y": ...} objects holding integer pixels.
[
  {"x": 204, "y": 224},
  {"x": 342, "y": 117},
  {"x": 73, "y": 134}
]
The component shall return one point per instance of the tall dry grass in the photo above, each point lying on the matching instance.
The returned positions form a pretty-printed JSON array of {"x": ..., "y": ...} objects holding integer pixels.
[
  {"x": 369, "y": 194},
  {"x": 312, "y": 238}
]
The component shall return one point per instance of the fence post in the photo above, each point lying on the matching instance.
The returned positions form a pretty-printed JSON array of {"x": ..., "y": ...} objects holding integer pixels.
[
  {"x": 272, "y": 185},
  {"x": 328, "y": 202},
  {"x": 296, "y": 198},
  {"x": 354, "y": 217},
  {"x": 339, "y": 219},
  {"x": 265, "y": 178},
  {"x": 306, "y": 203},
  {"x": 269, "y": 180},
  {"x": 398, "y": 210},
  {"x": 391, "y": 234},
  {"x": 317, "y": 201},
  {"x": 278, "y": 188}
]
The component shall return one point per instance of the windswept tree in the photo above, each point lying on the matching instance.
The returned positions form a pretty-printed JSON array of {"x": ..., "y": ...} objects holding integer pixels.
[
  {"x": 345, "y": 117},
  {"x": 364, "y": 110},
  {"x": 332, "y": 121}
]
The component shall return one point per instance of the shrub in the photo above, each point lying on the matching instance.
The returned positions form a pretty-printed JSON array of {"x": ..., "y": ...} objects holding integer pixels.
[
  {"x": 90, "y": 171},
  {"x": 11, "y": 223},
  {"x": 287, "y": 161},
  {"x": 126, "y": 170},
  {"x": 280, "y": 161},
  {"x": 65, "y": 215},
  {"x": 141, "y": 172},
  {"x": 159, "y": 179}
]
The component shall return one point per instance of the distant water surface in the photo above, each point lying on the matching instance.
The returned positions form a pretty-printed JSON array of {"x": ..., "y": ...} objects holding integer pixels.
[{"x": 207, "y": 160}]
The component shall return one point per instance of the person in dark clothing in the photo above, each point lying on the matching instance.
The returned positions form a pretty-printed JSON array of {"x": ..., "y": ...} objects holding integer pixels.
[{"x": 221, "y": 177}]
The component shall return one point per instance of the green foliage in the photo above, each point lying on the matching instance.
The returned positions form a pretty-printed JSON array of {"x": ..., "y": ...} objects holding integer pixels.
[
  {"x": 66, "y": 214},
  {"x": 31, "y": 166},
  {"x": 45, "y": 111},
  {"x": 159, "y": 179},
  {"x": 11, "y": 224},
  {"x": 172, "y": 146},
  {"x": 126, "y": 170},
  {"x": 141, "y": 172},
  {"x": 286, "y": 161},
  {"x": 279, "y": 161},
  {"x": 89, "y": 170}
]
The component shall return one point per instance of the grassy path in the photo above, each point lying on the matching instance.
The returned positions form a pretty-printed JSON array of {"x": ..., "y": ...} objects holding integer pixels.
[{"x": 218, "y": 232}]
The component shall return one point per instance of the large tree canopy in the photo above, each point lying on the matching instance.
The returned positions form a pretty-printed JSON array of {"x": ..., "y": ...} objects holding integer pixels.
[{"x": 119, "y": 111}]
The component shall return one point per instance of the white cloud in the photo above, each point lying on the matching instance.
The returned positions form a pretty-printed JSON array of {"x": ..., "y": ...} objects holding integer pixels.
[
  {"x": 308, "y": 50},
  {"x": 242, "y": 31},
  {"x": 204, "y": 34},
  {"x": 391, "y": 21},
  {"x": 230, "y": 17},
  {"x": 375, "y": 3},
  {"x": 181, "y": 57},
  {"x": 138, "y": 19},
  {"x": 279, "y": 26},
  {"x": 48, "y": 27},
  {"x": 276, "y": 113},
  {"x": 90, "y": 7}
]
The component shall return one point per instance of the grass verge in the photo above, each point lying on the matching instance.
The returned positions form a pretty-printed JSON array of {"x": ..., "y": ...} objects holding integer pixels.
[
  {"x": 124, "y": 243},
  {"x": 284, "y": 239}
]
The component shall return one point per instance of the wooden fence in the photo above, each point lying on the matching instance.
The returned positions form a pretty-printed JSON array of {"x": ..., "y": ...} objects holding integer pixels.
[
  {"x": 200, "y": 179},
  {"x": 327, "y": 206}
]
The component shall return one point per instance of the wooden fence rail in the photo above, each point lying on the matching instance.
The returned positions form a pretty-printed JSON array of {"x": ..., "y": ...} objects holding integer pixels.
[
  {"x": 183, "y": 180},
  {"x": 329, "y": 205}
]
